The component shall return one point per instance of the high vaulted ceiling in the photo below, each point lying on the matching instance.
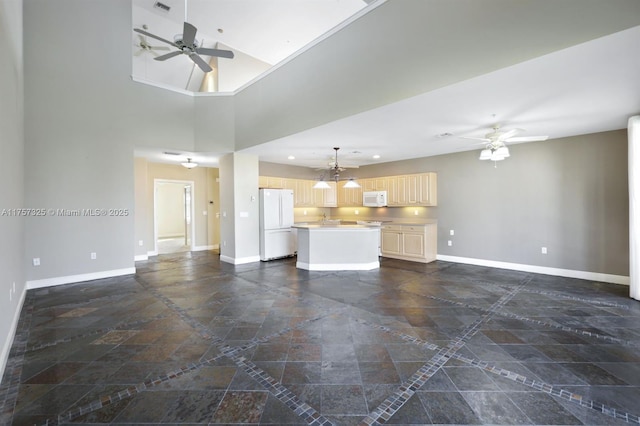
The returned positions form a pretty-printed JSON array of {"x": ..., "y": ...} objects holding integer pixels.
[
  {"x": 551, "y": 68},
  {"x": 268, "y": 31}
]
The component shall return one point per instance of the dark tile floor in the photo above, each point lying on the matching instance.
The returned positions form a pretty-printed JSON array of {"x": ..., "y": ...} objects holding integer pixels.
[{"x": 191, "y": 340}]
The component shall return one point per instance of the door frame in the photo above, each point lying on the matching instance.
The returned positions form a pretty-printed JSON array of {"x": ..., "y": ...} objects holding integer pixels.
[{"x": 191, "y": 183}]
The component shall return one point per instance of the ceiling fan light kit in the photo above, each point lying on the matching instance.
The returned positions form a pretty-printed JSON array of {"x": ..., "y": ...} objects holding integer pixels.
[
  {"x": 335, "y": 169},
  {"x": 495, "y": 149}
]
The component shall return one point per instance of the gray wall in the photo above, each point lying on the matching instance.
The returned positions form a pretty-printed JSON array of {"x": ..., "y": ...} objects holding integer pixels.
[
  {"x": 569, "y": 195},
  {"x": 88, "y": 115},
  {"x": 11, "y": 171}
]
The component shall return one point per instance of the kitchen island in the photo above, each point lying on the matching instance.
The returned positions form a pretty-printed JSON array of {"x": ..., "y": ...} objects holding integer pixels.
[{"x": 338, "y": 247}]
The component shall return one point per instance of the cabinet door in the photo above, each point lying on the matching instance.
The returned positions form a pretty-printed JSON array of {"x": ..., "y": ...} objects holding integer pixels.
[
  {"x": 413, "y": 244},
  {"x": 368, "y": 184},
  {"x": 391, "y": 242},
  {"x": 413, "y": 189},
  {"x": 263, "y": 182},
  {"x": 427, "y": 189},
  {"x": 349, "y": 197},
  {"x": 402, "y": 190},
  {"x": 381, "y": 184},
  {"x": 328, "y": 197},
  {"x": 392, "y": 191}
]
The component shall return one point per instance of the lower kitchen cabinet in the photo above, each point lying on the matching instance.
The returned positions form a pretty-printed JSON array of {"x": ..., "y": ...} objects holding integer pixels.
[{"x": 415, "y": 242}]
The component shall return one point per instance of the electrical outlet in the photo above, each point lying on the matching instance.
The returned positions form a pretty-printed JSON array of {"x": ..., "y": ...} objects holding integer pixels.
[
  {"x": 36, "y": 261},
  {"x": 93, "y": 256},
  {"x": 140, "y": 243},
  {"x": 452, "y": 232},
  {"x": 449, "y": 243},
  {"x": 543, "y": 250}
]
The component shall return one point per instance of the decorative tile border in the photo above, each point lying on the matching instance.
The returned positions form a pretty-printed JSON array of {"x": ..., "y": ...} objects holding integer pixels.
[
  {"x": 393, "y": 403},
  {"x": 303, "y": 410},
  {"x": 540, "y": 322}
]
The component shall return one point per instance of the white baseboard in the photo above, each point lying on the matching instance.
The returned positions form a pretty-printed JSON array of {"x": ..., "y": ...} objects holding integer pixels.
[
  {"x": 569, "y": 273},
  {"x": 50, "y": 282},
  {"x": 239, "y": 260},
  {"x": 338, "y": 266},
  {"x": 152, "y": 253},
  {"x": 8, "y": 343},
  {"x": 140, "y": 257}
]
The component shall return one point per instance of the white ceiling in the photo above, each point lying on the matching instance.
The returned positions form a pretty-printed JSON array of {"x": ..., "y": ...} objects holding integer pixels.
[
  {"x": 267, "y": 30},
  {"x": 586, "y": 88}
]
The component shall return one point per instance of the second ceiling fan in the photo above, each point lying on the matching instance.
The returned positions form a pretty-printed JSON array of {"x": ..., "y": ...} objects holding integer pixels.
[{"x": 187, "y": 44}]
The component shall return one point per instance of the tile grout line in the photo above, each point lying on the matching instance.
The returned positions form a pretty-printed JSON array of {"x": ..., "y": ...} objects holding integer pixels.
[
  {"x": 69, "y": 339},
  {"x": 303, "y": 410},
  {"x": 507, "y": 374},
  {"x": 539, "y": 322},
  {"x": 396, "y": 401}
]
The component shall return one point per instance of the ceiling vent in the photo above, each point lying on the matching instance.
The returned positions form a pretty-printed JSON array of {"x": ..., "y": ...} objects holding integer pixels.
[{"x": 162, "y": 6}]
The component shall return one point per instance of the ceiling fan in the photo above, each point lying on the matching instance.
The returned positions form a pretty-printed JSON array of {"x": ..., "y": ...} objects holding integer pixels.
[
  {"x": 187, "y": 44},
  {"x": 334, "y": 170},
  {"x": 495, "y": 147},
  {"x": 144, "y": 45}
]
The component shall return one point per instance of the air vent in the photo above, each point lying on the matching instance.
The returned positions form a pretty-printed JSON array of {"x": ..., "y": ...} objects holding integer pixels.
[
  {"x": 162, "y": 6},
  {"x": 171, "y": 153}
]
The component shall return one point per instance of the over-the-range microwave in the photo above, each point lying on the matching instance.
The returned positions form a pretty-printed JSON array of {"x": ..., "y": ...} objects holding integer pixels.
[{"x": 374, "y": 198}]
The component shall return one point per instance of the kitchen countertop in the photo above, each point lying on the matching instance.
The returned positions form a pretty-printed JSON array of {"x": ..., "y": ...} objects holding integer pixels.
[{"x": 333, "y": 226}]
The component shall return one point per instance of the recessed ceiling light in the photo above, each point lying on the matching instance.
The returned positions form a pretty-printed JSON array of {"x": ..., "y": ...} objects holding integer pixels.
[
  {"x": 291, "y": 157},
  {"x": 376, "y": 156},
  {"x": 445, "y": 135}
]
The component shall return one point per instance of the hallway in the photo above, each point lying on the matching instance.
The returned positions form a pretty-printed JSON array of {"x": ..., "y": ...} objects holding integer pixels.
[{"x": 192, "y": 340}]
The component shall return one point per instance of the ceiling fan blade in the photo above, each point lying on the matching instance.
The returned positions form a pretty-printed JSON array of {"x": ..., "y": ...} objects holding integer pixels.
[
  {"x": 189, "y": 34},
  {"x": 138, "y": 30},
  {"x": 509, "y": 134},
  {"x": 475, "y": 139},
  {"x": 201, "y": 63},
  {"x": 168, "y": 55},
  {"x": 215, "y": 52},
  {"x": 527, "y": 139},
  {"x": 158, "y": 48},
  {"x": 139, "y": 52}
]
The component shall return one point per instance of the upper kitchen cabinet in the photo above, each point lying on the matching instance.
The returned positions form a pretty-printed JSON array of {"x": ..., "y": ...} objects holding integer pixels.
[
  {"x": 349, "y": 197},
  {"x": 375, "y": 184},
  {"x": 272, "y": 182},
  {"x": 326, "y": 197},
  {"x": 421, "y": 189},
  {"x": 397, "y": 191}
]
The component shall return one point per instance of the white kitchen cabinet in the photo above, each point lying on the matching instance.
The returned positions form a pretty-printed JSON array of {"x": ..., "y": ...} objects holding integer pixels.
[
  {"x": 349, "y": 197},
  {"x": 421, "y": 189},
  {"x": 325, "y": 197},
  {"x": 415, "y": 242}
]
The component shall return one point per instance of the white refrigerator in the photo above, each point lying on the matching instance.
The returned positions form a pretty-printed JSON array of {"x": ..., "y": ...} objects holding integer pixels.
[{"x": 276, "y": 219}]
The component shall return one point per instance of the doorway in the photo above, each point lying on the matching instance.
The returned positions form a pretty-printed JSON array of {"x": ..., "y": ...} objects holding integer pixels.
[{"x": 174, "y": 226}]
